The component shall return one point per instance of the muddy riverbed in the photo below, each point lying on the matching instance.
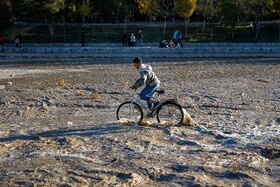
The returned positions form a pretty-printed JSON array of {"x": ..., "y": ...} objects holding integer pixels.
[{"x": 59, "y": 128}]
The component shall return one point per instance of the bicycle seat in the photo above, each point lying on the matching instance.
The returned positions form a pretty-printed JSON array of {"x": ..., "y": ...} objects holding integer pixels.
[{"x": 160, "y": 91}]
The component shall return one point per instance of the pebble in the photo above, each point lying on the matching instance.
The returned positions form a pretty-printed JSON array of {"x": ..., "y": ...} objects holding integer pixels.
[{"x": 2, "y": 87}]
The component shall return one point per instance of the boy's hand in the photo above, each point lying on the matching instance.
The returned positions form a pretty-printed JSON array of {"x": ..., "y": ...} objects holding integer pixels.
[{"x": 133, "y": 87}]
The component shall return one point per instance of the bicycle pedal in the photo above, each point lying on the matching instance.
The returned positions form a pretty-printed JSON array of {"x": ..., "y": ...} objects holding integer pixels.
[{"x": 150, "y": 115}]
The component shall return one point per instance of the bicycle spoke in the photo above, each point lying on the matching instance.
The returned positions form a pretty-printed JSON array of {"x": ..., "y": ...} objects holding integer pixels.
[
  {"x": 129, "y": 113},
  {"x": 170, "y": 114}
]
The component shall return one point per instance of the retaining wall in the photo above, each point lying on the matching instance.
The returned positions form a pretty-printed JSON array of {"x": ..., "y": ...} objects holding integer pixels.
[{"x": 197, "y": 50}]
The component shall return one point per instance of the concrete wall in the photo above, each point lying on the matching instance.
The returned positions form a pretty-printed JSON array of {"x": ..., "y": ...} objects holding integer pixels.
[{"x": 197, "y": 50}]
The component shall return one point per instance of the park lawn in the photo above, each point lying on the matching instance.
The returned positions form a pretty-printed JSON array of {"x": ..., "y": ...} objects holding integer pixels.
[{"x": 112, "y": 33}]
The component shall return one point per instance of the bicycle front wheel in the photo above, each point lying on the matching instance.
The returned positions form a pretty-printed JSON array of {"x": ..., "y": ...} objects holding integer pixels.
[
  {"x": 170, "y": 113},
  {"x": 130, "y": 112}
]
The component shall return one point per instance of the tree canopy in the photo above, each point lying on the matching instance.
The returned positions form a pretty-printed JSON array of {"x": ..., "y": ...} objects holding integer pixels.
[
  {"x": 185, "y": 8},
  {"x": 78, "y": 11},
  {"x": 149, "y": 7}
]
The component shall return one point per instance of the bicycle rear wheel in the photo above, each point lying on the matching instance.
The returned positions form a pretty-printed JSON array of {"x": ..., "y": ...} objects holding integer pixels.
[
  {"x": 129, "y": 112},
  {"x": 170, "y": 113}
]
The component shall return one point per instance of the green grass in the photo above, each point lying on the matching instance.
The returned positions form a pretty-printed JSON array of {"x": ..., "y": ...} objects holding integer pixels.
[{"x": 152, "y": 34}]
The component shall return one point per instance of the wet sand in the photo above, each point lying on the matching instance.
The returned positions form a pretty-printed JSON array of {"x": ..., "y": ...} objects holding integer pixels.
[{"x": 59, "y": 128}]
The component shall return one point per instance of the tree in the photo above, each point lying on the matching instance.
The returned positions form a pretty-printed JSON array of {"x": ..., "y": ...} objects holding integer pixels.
[
  {"x": 166, "y": 9},
  {"x": 47, "y": 9},
  {"x": 23, "y": 9},
  {"x": 206, "y": 9},
  {"x": 229, "y": 14},
  {"x": 185, "y": 9},
  {"x": 275, "y": 4},
  {"x": 52, "y": 7},
  {"x": 110, "y": 11},
  {"x": 5, "y": 12},
  {"x": 149, "y": 7},
  {"x": 84, "y": 9},
  {"x": 258, "y": 8}
]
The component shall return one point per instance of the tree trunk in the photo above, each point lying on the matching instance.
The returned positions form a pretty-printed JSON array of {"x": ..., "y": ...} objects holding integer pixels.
[
  {"x": 187, "y": 20},
  {"x": 258, "y": 30},
  {"x": 279, "y": 27},
  {"x": 150, "y": 18},
  {"x": 164, "y": 27},
  {"x": 51, "y": 29},
  {"x": 279, "y": 31},
  {"x": 64, "y": 35},
  {"x": 83, "y": 15},
  {"x": 203, "y": 26}
]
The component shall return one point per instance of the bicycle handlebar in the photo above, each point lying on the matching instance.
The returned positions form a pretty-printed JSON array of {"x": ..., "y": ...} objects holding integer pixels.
[{"x": 133, "y": 88}]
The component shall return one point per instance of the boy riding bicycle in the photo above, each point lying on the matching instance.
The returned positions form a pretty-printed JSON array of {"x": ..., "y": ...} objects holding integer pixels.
[{"x": 147, "y": 77}]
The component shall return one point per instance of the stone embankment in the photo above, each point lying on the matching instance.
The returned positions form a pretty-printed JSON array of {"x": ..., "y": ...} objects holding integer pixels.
[{"x": 191, "y": 50}]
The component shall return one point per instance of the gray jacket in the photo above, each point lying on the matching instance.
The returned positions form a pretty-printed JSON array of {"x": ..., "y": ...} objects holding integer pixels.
[{"x": 148, "y": 77}]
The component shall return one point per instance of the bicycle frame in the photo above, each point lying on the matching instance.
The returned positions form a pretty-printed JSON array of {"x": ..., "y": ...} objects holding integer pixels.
[{"x": 136, "y": 99}]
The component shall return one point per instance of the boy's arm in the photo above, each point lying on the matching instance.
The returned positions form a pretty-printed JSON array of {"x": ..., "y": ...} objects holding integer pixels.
[{"x": 140, "y": 82}]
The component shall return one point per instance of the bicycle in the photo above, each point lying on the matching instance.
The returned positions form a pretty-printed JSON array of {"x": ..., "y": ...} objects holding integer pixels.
[{"x": 168, "y": 112}]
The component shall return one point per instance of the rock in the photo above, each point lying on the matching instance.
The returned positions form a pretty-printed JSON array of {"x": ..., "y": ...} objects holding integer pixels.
[
  {"x": 264, "y": 80},
  {"x": 136, "y": 179},
  {"x": 4, "y": 100},
  {"x": 2, "y": 87},
  {"x": 8, "y": 83}
]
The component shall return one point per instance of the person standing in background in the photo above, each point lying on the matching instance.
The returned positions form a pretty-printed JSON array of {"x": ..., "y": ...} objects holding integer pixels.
[
  {"x": 124, "y": 39},
  {"x": 177, "y": 38},
  {"x": 1, "y": 40},
  {"x": 18, "y": 40},
  {"x": 140, "y": 38},
  {"x": 83, "y": 37},
  {"x": 132, "y": 40}
]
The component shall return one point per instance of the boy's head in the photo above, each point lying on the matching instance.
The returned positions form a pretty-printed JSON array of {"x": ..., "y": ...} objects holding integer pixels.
[{"x": 137, "y": 62}]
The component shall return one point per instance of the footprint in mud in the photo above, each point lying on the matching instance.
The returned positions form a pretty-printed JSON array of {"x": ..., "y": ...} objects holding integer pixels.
[
  {"x": 187, "y": 142},
  {"x": 230, "y": 142},
  {"x": 203, "y": 130},
  {"x": 185, "y": 168},
  {"x": 271, "y": 153},
  {"x": 234, "y": 175},
  {"x": 220, "y": 137}
]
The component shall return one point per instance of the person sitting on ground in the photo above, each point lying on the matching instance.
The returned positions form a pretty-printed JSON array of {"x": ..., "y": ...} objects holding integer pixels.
[
  {"x": 171, "y": 43},
  {"x": 147, "y": 77},
  {"x": 163, "y": 43}
]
